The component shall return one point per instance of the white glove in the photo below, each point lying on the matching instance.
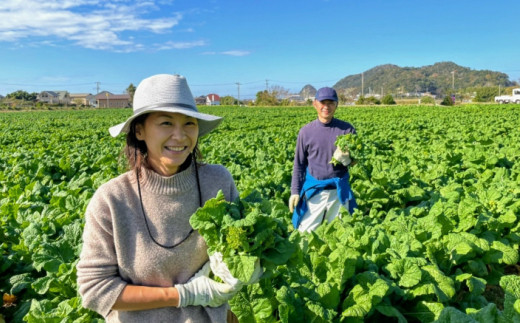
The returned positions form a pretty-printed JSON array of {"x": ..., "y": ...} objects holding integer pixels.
[
  {"x": 220, "y": 269},
  {"x": 203, "y": 271},
  {"x": 293, "y": 201},
  {"x": 204, "y": 291},
  {"x": 342, "y": 157}
]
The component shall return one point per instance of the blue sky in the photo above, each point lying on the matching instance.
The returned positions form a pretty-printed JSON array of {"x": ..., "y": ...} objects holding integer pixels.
[{"x": 74, "y": 44}]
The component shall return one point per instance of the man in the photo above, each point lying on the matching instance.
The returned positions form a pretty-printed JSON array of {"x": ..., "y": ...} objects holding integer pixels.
[{"x": 318, "y": 188}]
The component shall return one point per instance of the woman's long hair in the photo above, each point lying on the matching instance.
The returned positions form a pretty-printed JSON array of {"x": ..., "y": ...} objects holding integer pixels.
[{"x": 136, "y": 151}]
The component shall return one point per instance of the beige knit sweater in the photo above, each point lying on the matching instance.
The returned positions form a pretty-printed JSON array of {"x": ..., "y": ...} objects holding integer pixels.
[{"x": 117, "y": 248}]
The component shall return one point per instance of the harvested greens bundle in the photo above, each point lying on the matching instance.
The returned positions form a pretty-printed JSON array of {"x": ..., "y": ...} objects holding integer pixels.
[
  {"x": 351, "y": 143},
  {"x": 244, "y": 231}
]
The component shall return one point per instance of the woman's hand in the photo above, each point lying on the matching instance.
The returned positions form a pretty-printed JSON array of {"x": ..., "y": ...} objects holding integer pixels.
[
  {"x": 221, "y": 270},
  {"x": 204, "y": 291}
]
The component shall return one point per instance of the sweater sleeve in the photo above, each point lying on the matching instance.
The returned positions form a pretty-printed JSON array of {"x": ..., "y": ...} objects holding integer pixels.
[
  {"x": 97, "y": 270},
  {"x": 300, "y": 165},
  {"x": 215, "y": 177},
  {"x": 233, "y": 192},
  {"x": 227, "y": 183}
]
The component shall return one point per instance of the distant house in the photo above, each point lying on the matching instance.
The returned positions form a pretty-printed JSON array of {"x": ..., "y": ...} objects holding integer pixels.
[
  {"x": 54, "y": 97},
  {"x": 297, "y": 98},
  {"x": 369, "y": 95},
  {"x": 85, "y": 99},
  {"x": 200, "y": 100},
  {"x": 92, "y": 100},
  {"x": 212, "y": 99},
  {"x": 106, "y": 99},
  {"x": 428, "y": 94}
]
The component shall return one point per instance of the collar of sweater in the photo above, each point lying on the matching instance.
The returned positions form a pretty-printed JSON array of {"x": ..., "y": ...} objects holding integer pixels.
[
  {"x": 167, "y": 185},
  {"x": 332, "y": 123}
]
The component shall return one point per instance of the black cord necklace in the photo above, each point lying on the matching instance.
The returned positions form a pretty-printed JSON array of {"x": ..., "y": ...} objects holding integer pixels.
[{"x": 144, "y": 214}]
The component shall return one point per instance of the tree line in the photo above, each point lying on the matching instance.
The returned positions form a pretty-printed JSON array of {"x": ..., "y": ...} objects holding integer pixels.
[{"x": 278, "y": 96}]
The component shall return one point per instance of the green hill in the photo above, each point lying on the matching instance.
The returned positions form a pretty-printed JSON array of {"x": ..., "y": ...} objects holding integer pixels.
[{"x": 438, "y": 79}]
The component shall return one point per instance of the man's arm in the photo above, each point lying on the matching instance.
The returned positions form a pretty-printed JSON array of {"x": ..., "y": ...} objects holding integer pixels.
[{"x": 299, "y": 167}]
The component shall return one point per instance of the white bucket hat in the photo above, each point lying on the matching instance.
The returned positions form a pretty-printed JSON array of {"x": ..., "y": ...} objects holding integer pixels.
[{"x": 168, "y": 93}]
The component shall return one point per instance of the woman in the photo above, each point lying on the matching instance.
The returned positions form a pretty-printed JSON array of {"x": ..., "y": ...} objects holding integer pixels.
[{"x": 141, "y": 261}]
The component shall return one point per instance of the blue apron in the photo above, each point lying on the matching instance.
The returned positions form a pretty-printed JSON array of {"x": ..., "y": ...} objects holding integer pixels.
[{"x": 313, "y": 186}]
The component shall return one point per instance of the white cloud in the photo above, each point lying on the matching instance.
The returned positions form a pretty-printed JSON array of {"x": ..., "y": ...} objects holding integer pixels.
[
  {"x": 229, "y": 52},
  {"x": 94, "y": 24},
  {"x": 180, "y": 45},
  {"x": 236, "y": 52}
]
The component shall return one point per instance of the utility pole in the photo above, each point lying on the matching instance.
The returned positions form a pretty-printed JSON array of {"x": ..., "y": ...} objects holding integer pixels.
[
  {"x": 266, "y": 85},
  {"x": 238, "y": 89},
  {"x": 362, "y": 84},
  {"x": 97, "y": 87},
  {"x": 453, "y": 79}
]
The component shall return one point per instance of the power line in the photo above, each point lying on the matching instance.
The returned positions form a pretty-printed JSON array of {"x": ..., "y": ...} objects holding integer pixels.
[
  {"x": 295, "y": 82},
  {"x": 216, "y": 84},
  {"x": 191, "y": 85},
  {"x": 46, "y": 84}
]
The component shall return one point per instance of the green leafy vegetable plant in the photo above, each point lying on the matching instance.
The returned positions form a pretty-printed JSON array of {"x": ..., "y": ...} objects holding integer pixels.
[
  {"x": 244, "y": 231},
  {"x": 351, "y": 143}
]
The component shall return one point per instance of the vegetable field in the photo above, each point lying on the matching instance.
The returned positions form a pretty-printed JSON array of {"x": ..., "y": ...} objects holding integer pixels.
[{"x": 436, "y": 236}]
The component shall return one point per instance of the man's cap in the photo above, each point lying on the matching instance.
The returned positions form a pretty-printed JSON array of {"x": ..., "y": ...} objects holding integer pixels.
[{"x": 326, "y": 93}]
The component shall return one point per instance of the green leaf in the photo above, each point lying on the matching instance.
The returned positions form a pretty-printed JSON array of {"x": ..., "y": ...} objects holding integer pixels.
[
  {"x": 511, "y": 286},
  {"x": 253, "y": 304},
  {"x": 280, "y": 253},
  {"x": 478, "y": 267},
  {"x": 241, "y": 267},
  {"x": 364, "y": 296},
  {"x": 427, "y": 311},
  {"x": 391, "y": 311},
  {"x": 20, "y": 282},
  {"x": 406, "y": 270},
  {"x": 453, "y": 315},
  {"x": 316, "y": 312},
  {"x": 290, "y": 305},
  {"x": 329, "y": 295},
  {"x": 504, "y": 253},
  {"x": 476, "y": 285},
  {"x": 42, "y": 285},
  {"x": 434, "y": 282},
  {"x": 489, "y": 313},
  {"x": 342, "y": 264}
]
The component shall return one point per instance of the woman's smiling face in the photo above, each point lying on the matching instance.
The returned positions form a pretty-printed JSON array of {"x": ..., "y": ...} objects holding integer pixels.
[{"x": 170, "y": 138}]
